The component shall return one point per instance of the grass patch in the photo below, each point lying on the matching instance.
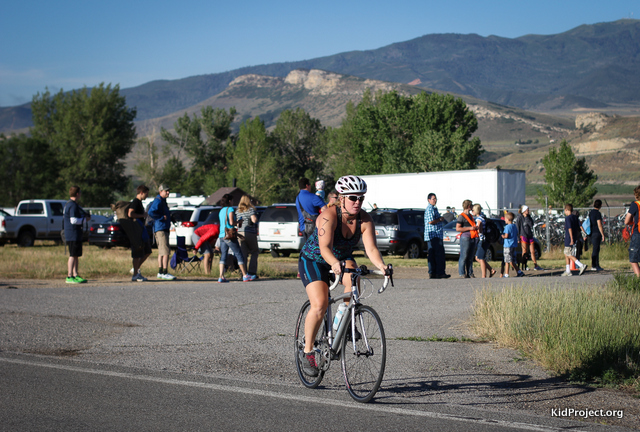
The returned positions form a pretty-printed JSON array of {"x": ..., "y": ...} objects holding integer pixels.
[
  {"x": 50, "y": 262},
  {"x": 587, "y": 334},
  {"x": 626, "y": 282}
]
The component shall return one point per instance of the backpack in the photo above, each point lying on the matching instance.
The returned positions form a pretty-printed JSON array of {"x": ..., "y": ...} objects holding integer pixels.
[
  {"x": 309, "y": 220},
  {"x": 121, "y": 209},
  {"x": 491, "y": 231},
  {"x": 586, "y": 225},
  {"x": 148, "y": 221}
]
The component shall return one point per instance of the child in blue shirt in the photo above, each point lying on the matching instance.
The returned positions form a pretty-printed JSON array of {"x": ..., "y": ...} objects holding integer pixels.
[{"x": 510, "y": 236}]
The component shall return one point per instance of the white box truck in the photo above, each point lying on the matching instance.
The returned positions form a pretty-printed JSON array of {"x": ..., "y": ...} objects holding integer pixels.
[{"x": 493, "y": 189}]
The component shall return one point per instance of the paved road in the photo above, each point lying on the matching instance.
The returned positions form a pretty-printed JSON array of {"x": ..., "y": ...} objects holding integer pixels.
[{"x": 200, "y": 355}]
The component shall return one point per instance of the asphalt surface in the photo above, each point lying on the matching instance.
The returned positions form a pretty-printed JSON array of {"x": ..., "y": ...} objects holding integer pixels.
[{"x": 194, "y": 355}]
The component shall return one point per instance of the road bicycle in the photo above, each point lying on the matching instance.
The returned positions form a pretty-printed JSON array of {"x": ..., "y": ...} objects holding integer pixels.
[{"x": 359, "y": 341}]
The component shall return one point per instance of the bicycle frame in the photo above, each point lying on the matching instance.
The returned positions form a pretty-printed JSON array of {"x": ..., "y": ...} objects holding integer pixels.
[{"x": 335, "y": 341}]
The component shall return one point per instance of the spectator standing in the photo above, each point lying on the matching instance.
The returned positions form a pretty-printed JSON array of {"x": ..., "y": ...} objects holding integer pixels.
[
  {"x": 137, "y": 213},
  {"x": 581, "y": 242},
  {"x": 159, "y": 212},
  {"x": 634, "y": 244},
  {"x": 510, "y": 245},
  {"x": 333, "y": 199},
  {"x": 468, "y": 240},
  {"x": 449, "y": 216},
  {"x": 309, "y": 206},
  {"x": 228, "y": 221},
  {"x": 433, "y": 234},
  {"x": 483, "y": 244},
  {"x": 597, "y": 234},
  {"x": 72, "y": 225},
  {"x": 571, "y": 235},
  {"x": 248, "y": 228},
  {"x": 525, "y": 229}
]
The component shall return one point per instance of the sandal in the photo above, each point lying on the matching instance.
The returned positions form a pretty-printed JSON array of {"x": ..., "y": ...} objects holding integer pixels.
[{"x": 493, "y": 271}]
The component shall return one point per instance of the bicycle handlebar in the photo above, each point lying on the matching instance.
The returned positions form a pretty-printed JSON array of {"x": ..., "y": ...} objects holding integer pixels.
[{"x": 363, "y": 271}]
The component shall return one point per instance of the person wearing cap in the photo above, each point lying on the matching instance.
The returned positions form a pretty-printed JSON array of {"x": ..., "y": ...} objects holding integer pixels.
[
  {"x": 526, "y": 238},
  {"x": 159, "y": 212}
]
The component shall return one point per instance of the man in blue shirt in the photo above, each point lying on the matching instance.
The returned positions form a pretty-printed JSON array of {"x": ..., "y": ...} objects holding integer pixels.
[
  {"x": 72, "y": 225},
  {"x": 309, "y": 207},
  {"x": 433, "y": 224},
  {"x": 159, "y": 212}
]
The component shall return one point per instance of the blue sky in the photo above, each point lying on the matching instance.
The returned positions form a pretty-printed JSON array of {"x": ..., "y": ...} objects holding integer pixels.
[{"x": 67, "y": 44}]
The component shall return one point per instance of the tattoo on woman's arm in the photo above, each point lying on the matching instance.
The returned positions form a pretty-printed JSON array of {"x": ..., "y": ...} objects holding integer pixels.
[{"x": 322, "y": 231}]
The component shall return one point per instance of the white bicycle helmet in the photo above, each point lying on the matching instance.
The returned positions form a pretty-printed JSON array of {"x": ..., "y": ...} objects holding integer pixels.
[{"x": 351, "y": 184}]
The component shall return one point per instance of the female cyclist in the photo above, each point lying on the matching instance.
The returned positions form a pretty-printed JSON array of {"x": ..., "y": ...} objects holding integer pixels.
[{"x": 338, "y": 230}]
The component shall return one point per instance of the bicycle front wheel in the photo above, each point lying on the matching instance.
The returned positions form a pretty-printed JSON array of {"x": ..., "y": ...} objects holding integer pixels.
[
  {"x": 363, "y": 366},
  {"x": 306, "y": 379}
]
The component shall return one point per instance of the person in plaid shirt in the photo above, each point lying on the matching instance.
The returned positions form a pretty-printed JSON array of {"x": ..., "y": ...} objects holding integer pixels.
[{"x": 433, "y": 224}]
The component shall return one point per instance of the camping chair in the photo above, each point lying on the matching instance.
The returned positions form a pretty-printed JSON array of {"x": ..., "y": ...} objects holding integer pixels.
[{"x": 183, "y": 262}]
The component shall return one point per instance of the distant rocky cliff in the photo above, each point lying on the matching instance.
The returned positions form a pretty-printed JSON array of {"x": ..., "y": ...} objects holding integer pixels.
[{"x": 318, "y": 82}]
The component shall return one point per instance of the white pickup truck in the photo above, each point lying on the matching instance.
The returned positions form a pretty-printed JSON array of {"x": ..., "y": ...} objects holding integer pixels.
[
  {"x": 37, "y": 220},
  {"x": 34, "y": 219}
]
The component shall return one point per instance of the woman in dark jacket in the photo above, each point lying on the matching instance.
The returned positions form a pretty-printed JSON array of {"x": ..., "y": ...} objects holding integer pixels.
[
  {"x": 597, "y": 234},
  {"x": 525, "y": 226}
]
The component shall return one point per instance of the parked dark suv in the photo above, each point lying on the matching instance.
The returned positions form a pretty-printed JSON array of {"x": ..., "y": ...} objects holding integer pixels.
[{"x": 400, "y": 231}]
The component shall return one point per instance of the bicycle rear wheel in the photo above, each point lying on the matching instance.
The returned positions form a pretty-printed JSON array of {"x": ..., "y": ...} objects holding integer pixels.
[
  {"x": 363, "y": 368},
  {"x": 308, "y": 380}
]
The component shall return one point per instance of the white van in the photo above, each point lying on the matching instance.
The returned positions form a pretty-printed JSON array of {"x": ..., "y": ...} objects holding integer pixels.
[{"x": 278, "y": 230}]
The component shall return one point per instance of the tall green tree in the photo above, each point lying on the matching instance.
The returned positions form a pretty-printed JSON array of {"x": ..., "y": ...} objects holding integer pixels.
[
  {"x": 301, "y": 142},
  {"x": 27, "y": 170},
  {"x": 568, "y": 180},
  {"x": 90, "y": 131},
  {"x": 253, "y": 162},
  {"x": 392, "y": 133},
  {"x": 203, "y": 142}
]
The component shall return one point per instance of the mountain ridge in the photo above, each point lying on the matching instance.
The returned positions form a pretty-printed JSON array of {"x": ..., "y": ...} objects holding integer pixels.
[{"x": 593, "y": 66}]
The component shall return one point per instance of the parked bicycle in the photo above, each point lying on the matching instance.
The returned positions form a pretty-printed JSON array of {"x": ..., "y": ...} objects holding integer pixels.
[{"x": 359, "y": 341}]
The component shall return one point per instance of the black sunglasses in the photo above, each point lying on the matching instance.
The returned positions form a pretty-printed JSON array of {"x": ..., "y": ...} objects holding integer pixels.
[{"x": 354, "y": 198}]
